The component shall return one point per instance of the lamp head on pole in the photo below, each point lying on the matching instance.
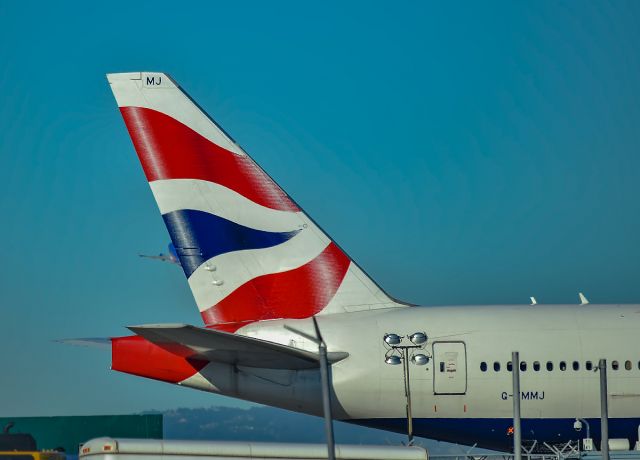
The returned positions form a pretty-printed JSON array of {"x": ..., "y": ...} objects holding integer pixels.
[
  {"x": 392, "y": 339},
  {"x": 393, "y": 360},
  {"x": 420, "y": 359},
  {"x": 418, "y": 338}
]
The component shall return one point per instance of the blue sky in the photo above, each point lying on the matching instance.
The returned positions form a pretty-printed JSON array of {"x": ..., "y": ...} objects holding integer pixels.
[{"x": 462, "y": 153}]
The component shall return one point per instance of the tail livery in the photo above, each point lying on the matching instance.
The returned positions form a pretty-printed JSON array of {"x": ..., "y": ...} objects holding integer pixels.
[{"x": 248, "y": 251}]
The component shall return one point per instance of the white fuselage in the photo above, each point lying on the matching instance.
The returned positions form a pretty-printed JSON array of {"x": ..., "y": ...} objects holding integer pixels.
[
  {"x": 453, "y": 387},
  {"x": 251, "y": 255}
]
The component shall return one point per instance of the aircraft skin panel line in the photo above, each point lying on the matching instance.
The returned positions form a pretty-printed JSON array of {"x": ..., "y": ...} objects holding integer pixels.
[{"x": 255, "y": 262}]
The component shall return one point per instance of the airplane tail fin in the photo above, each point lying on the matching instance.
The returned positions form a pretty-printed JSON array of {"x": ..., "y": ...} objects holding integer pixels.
[{"x": 248, "y": 251}]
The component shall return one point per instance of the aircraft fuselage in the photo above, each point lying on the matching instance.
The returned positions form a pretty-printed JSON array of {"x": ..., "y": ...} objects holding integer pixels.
[{"x": 464, "y": 393}]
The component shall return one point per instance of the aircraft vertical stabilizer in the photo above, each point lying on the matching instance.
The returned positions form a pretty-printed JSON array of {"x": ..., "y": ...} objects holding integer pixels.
[{"x": 248, "y": 251}]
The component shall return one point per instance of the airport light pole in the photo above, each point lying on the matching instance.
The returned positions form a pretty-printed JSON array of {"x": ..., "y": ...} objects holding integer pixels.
[
  {"x": 399, "y": 353},
  {"x": 324, "y": 380},
  {"x": 517, "y": 432},
  {"x": 604, "y": 410}
]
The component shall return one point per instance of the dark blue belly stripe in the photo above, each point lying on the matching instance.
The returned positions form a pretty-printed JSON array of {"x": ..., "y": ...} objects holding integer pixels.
[{"x": 492, "y": 433}]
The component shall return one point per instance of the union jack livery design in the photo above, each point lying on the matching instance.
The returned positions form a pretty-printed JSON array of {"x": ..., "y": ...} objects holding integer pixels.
[
  {"x": 248, "y": 251},
  {"x": 260, "y": 269}
]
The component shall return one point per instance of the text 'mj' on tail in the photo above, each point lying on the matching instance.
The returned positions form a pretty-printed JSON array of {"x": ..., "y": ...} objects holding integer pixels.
[{"x": 248, "y": 251}]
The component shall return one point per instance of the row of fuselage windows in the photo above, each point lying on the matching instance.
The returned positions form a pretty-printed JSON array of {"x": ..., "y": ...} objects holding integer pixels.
[{"x": 562, "y": 365}]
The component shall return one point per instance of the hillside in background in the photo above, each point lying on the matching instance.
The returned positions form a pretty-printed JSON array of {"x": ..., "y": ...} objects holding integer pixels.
[{"x": 263, "y": 423}]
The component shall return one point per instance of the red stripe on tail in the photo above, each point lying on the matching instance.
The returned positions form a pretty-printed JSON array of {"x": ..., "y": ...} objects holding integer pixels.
[
  {"x": 169, "y": 149},
  {"x": 297, "y": 293}
]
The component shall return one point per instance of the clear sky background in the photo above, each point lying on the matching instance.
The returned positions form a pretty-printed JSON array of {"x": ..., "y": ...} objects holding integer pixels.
[{"x": 462, "y": 153}]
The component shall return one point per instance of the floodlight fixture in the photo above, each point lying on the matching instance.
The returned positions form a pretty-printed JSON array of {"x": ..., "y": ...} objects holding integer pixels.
[
  {"x": 392, "y": 339},
  {"x": 420, "y": 359},
  {"x": 418, "y": 338},
  {"x": 393, "y": 360}
]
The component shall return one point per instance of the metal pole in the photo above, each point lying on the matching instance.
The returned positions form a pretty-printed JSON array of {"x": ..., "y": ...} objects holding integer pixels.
[
  {"x": 326, "y": 400},
  {"x": 407, "y": 392},
  {"x": 604, "y": 410},
  {"x": 324, "y": 381},
  {"x": 586, "y": 423},
  {"x": 517, "y": 439}
]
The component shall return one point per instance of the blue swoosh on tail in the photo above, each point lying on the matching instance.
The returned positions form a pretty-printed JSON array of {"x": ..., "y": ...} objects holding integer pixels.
[{"x": 198, "y": 236}]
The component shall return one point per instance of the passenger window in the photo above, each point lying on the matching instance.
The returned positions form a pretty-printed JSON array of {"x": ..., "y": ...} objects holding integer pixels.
[
  {"x": 615, "y": 365},
  {"x": 441, "y": 366},
  {"x": 563, "y": 366},
  {"x": 523, "y": 366},
  {"x": 576, "y": 366},
  {"x": 549, "y": 366},
  {"x": 588, "y": 365},
  {"x": 536, "y": 366},
  {"x": 496, "y": 366},
  {"x": 509, "y": 366},
  {"x": 627, "y": 365},
  {"x": 483, "y": 366}
]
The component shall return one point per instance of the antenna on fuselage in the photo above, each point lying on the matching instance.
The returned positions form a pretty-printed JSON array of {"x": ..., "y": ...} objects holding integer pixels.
[
  {"x": 583, "y": 299},
  {"x": 533, "y": 301}
]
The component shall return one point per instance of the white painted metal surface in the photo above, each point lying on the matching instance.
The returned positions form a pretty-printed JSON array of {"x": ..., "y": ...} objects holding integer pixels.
[
  {"x": 142, "y": 449},
  {"x": 468, "y": 378},
  {"x": 450, "y": 376}
]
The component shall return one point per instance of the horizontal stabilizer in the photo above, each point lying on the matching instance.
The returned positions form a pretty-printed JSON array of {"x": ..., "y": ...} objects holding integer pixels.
[
  {"x": 222, "y": 347},
  {"x": 95, "y": 342}
]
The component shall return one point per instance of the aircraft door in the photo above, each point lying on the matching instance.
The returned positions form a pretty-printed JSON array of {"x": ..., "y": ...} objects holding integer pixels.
[{"x": 450, "y": 368}]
